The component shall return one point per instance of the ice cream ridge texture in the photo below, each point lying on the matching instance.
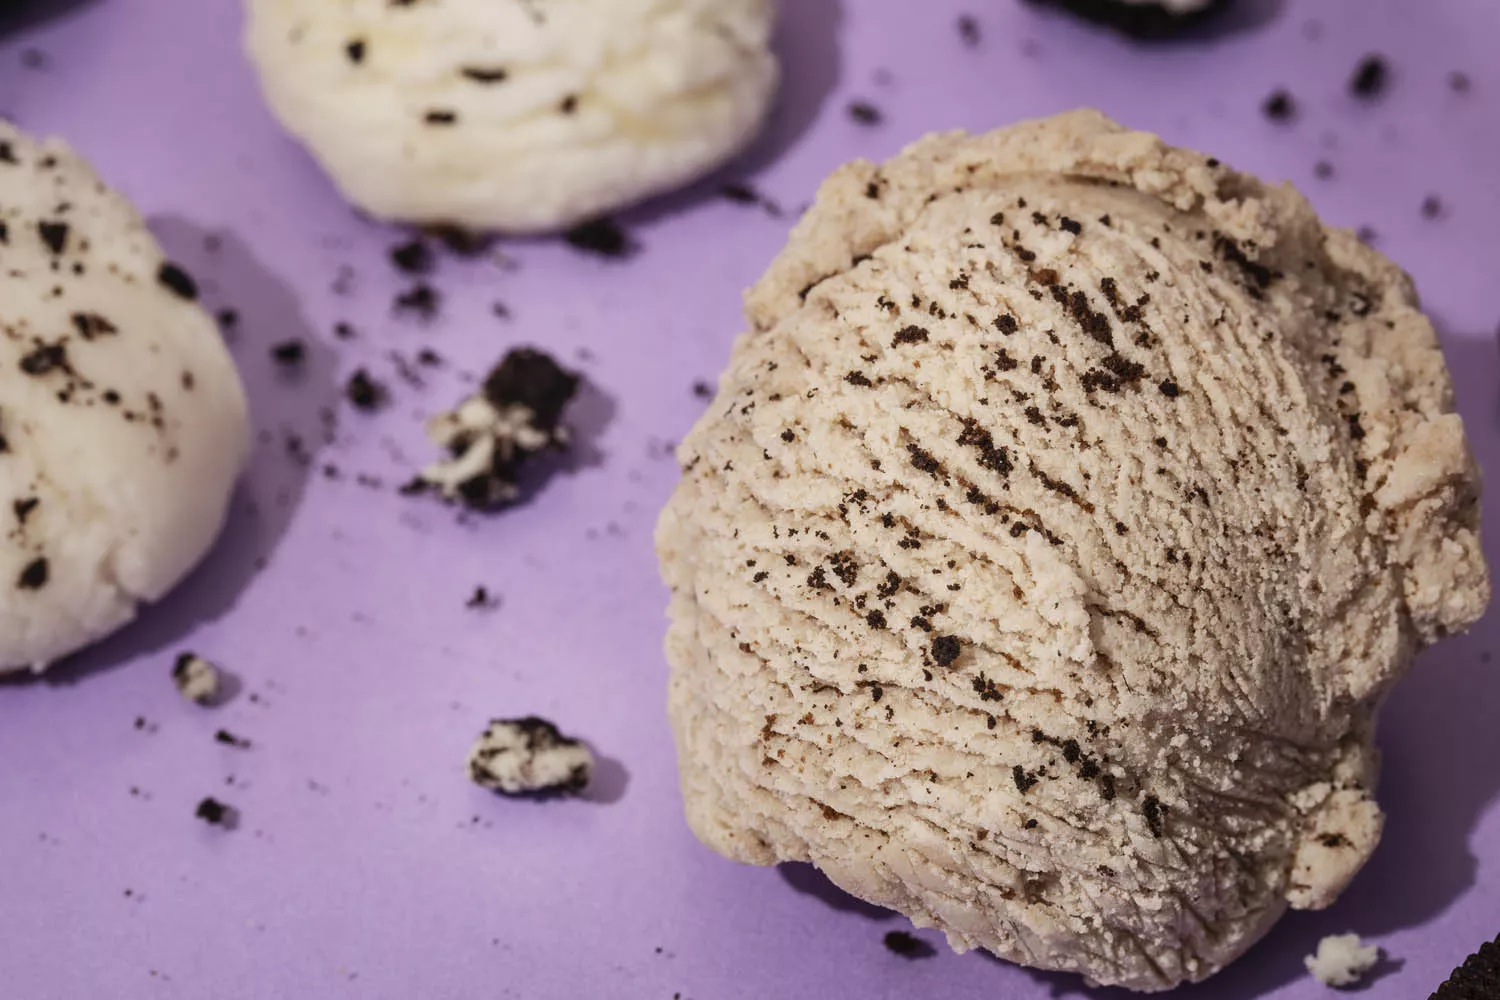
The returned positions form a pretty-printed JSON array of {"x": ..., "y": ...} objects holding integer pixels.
[{"x": 1060, "y": 524}]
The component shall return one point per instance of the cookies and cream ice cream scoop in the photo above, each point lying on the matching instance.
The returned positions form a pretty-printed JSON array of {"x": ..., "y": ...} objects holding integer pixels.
[
  {"x": 123, "y": 423},
  {"x": 514, "y": 115},
  {"x": 1060, "y": 524}
]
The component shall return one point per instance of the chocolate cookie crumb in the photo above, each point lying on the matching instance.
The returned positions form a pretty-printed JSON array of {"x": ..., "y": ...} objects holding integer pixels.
[
  {"x": 529, "y": 756},
  {"x": 481, "y": 598},
  {"x": 177, "y": 281},
  {"x": 34, "y": 576},
  {"x": 1370, "y": 77},
  {"x": 227, "y": 738},
  {"x": 1279, "y": 107},
  {"x": 289, "y": 353},
  {"x": 865, "y": 113},
  {"x": 603, "y": 237},
  {"x": 421, "y": 301},
  {"x": 196, "y": 679},
  {"x": 945, "y": 650},
  {"x": 363, "y": 392},
  {"x": 907, "y": 945},
  {"x": 490, "y": 435},
  {"x": 1477, "y": 979},
  {"x": 413, "y": 257},
  {"x": 217, "y": 813}
]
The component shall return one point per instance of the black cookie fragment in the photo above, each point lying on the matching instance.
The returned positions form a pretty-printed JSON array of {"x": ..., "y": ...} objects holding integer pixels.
[
  {"x": 421, "y": 300},
  {"x": 1370, "y": 78},
  {"x": 1477, "y": 979},
  {"x": 363, "y": 392},
  {"x": 217, "y": 813},
  {"x": 529, "y": 756},
  {"x": 907, "y": 945},
  {"x": 603, "y": 237},
  {"x": 1142, "y": 21},
  {"x": 489, "y": 436},
  {"x": 176, "y": 280},
  {"x": 412, "y": 257}
]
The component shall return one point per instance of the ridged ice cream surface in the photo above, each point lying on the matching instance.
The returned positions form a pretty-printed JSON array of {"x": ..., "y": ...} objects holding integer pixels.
[{"x": 1059, "y": 525}]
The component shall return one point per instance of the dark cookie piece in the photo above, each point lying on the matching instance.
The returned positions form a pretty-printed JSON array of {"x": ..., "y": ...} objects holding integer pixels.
[
  {"x": 603, "y": 237},
  {"x": 1143, "y": 21},
  {"x": 490, "y": 435},
  {"x": 217, "y": 813},
  {"x": 1477, "y": 979},
  {"x": 529, "y": 756},
  {"x": 908, "y": 945}
]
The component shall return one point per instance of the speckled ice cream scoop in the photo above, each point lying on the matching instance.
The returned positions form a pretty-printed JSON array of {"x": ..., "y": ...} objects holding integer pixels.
[
  {"x": 1057, "y": 530},
  {"x": 514, "y": 115},
  {"x": 122, "y": 420}
]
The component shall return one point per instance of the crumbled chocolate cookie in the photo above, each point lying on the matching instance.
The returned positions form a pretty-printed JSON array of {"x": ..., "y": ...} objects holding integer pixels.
[
  {"x": 514, "y": 416},
  {"x": 529, "y": 756},
  {"x": 1477, "y": 979},
  {"x": 196, "y": 679}
]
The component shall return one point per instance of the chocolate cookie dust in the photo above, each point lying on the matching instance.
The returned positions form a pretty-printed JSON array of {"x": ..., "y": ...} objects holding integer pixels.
[
  {"x": 1143, "y": 21},
  {"x": 217, "y": 813},
  {"x": 529, "y": 756},
  {"x": 196, "y": 679},
  {"x": 907, "y": 945},
  {"x": 1477, "y": 979},
  {"x": 516, "y": 415},
  {"x": 603, "y": 237}
]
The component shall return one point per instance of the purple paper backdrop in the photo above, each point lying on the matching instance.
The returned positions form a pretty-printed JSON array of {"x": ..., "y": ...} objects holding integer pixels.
[{"x": 365, "y": 864}]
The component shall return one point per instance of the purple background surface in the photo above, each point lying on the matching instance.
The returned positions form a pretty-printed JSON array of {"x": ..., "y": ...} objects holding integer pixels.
[{"x": 365, "y": 864}]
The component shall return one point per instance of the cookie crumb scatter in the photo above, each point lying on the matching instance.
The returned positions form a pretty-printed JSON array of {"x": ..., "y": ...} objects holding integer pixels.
[
  {"x": 1342, "y": 960},
  {"x": 907, "y": 945},
  {"x": 217, "y": 813},
  {"x": 363, "y": 392},
  {"x": 603, "y": 237},
  {"x": 1370, "y": 78},
  {"x": 1279, "y": 107},
  {"x": 488, "y": 437},
  {"x": 865, "y": 113},
  {"x": 196, "y": 679},
  {"x": 529, "y": 756},
  {"x": 289, "y": 353}
]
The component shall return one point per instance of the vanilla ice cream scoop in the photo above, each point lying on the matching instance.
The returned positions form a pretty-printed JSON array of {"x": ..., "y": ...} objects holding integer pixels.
[
  {"x": 1059, "y": 526},
  {"x": 122, "y": 420},
  {"x": 514, "y": 115}
]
